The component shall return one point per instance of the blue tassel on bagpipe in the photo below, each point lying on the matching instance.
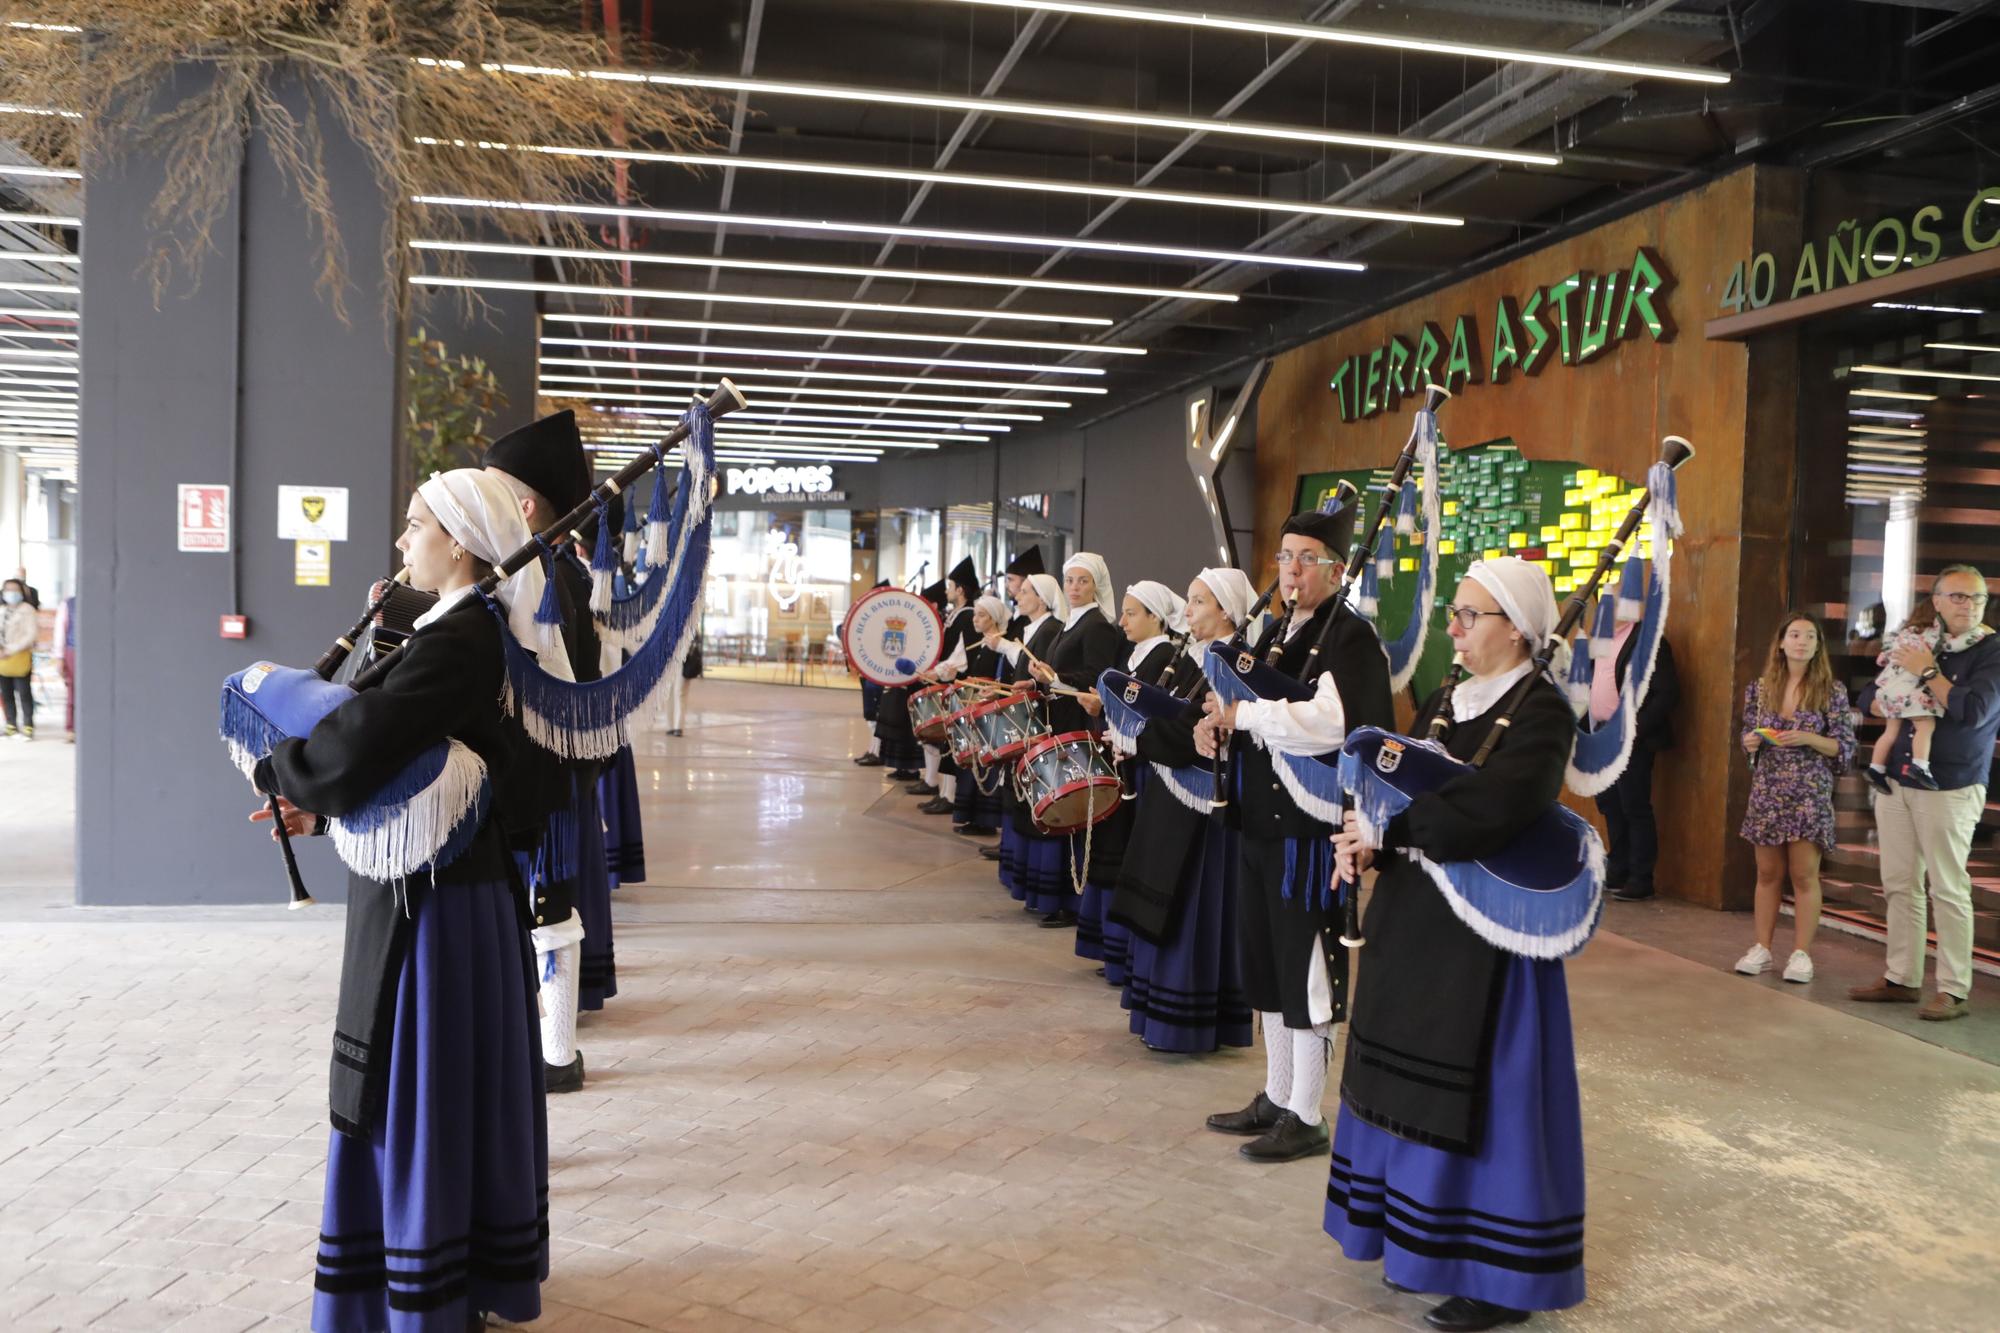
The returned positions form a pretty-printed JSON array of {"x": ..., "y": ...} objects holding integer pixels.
[
  {"x": 1385, "y": 554},
  {"x": 632, "y": 617},
  {"x": 1368, "y": 602},
  {"x": 1601, "y": 753},
  {"x": 603, "y": 563},
  {"x": 1406, "y": 650},
  {"x": 1309, "y": 866},
  {"x": 1580, "y": 672},
  {"x": 1406, "y": 509},
  {"x": 1632, "y": 588},
  {"x": 549, "y": 610}
]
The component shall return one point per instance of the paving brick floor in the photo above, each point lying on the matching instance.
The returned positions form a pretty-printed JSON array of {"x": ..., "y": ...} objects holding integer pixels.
[{"x": 847, "y": 1086}]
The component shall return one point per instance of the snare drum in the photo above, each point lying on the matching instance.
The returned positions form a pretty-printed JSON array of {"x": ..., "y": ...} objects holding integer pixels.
[
  {"x": 1006, "y": 725},
  {"x": 1068, "y": 782},
  {"x": 930, "y": 709},
  {"x": 962, "y": 735}
]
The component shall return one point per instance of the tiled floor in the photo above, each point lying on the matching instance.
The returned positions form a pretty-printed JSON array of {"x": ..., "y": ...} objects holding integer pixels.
[{"x": 847, "y": 1086}]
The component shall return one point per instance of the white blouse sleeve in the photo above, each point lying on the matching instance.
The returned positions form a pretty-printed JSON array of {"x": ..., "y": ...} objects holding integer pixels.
[{"x": 1316, "y": 726}]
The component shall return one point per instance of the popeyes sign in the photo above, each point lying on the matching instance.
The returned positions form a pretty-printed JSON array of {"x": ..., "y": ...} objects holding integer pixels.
[{"x": 1570, "y": 322}]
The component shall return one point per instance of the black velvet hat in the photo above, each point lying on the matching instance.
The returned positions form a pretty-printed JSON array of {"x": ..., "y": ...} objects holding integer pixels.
[
  {"x": 546, "y": 455},
  {"x": 1028, "y": 562},
  {"x": 1334, "y": 531},
  {"x": 966, "y": 577},
  {"x": 935, "y": 595}
]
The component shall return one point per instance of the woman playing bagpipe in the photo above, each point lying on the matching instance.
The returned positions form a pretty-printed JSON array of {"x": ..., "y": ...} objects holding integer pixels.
[
  {"x": 1184, "y": 982},
  {"x": 1089, "y": 644},
  {"x": 1025, "y": 855},
  {"x": 1152, "y": 616},
  {"x": 436, "y": 1201},
  {"x": 1458, "y": 1155},
  {"x": 976, "y": 803}
]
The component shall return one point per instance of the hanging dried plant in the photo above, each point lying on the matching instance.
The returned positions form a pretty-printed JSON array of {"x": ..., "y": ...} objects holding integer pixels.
[{"x": 186, "y": 82}]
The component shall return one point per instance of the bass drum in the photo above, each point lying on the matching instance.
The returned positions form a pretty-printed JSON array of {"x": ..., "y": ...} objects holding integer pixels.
[{"x": 1068, "y": 782}]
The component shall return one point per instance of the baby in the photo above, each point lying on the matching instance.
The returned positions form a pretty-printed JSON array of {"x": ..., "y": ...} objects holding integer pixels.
[{"x": 1903, "y": 699}]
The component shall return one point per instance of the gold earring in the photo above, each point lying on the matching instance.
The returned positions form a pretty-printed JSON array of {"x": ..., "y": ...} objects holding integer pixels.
[{"x": 457, "y": 554}]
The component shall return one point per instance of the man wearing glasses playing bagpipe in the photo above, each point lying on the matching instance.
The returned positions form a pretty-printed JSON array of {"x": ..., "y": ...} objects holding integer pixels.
[
  {"x": 1458, "y": 1156},
  {"x": 1294, "y": 974},
  {"x": 437, "y": 1173}
]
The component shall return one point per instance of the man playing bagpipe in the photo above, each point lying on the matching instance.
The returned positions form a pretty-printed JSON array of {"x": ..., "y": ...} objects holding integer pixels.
[{"x": 1293, "y": 973}]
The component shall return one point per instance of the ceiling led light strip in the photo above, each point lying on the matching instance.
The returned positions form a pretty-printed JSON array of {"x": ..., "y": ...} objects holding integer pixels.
[
  {"x": 753, "y": 222},
  {"x": 802, "y": 355},
  {"x": 15, "y": 109},
  {"x": 37, "y": 312},
  {"x": 40, "y": 173},
  {"x": 1354, "y": 37},
  {"x": 549, "y": 390},
  {"x": 1893, "y": 393},
  {"x": 40, "y": 219},
  {"x": 881, "y": 395},
  {"x": 1135, "y": 193},
  {"x": 832, "y": 270},
  {"x": 822, "y": 331},
  {"x": 1926, "y": 374},
  {"x": 38, "y": 352},
  {"x": 719, "y": 298},
  {"x": 1008, "y": 108}
]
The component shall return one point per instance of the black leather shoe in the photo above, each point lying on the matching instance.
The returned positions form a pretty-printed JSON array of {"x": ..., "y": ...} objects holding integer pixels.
[
  {"x": 1258, "y": 1116},
  {"x": 1633, "y": 893},
  {"x": 870, "y": 761},
  {"x": 977, "y": 831},
  {"x": 937, "y": 805},
  {"x": 991, "y": 853},
  {"x": 1288, "y": 1140},
  {"x": 1877, "y": 778},
  {"x": 563, "y": 1078},
  {"x": 1462, "y": 1314},
  {"x": 1912, "y": 776},
  {"x": 921, "y": 788},
  {"x": 1398, "y": 1287},
  {"x": 903, "y": 775},
  {"x": 1058, "y": 920}
]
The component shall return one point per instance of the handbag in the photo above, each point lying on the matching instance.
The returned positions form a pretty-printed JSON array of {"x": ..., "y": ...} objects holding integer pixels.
[{"x": 18, "y": 664}]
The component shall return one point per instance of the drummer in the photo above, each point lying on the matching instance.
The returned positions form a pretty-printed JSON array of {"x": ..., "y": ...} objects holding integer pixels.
[
  {"x": 976, "y": 807},
  {"x": 1293, "y": 970},
  {"x": 1089, "y": 644},
  {"x": 1176, "y": 891},
  {"x": 1039, "y": 599},
  {"x": 1027, "y": 563},
  {"x": 1152, "y": 617},
  {"x": 940, "y": 782}
]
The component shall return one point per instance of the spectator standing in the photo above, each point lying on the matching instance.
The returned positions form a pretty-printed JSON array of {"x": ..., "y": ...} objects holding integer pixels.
[
  {"x": 1798, "y": 730},
  {"x": 66, "y": 645},
  {"x": 19, "y": 627},
  {"x": 1627, "y": 804},
  {"x": 1926, "y": 835},
  {"x": 1903, "y": 699}
]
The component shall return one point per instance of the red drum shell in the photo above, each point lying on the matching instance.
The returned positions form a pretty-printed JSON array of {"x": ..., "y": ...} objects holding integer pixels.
[{"x": 1068, "y": 798}]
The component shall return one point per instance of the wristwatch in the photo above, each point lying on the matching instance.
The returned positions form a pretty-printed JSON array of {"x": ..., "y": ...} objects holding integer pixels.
[{"x": 1929, "y": 675}]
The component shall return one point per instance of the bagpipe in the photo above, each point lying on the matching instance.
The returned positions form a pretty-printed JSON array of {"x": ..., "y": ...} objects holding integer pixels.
[
  {"x": 428, "y": 813},
  {"x": 1540, "y": 897},
  {"x": 1237, "y": 676},
  {"x": 1130, "y": 705}
]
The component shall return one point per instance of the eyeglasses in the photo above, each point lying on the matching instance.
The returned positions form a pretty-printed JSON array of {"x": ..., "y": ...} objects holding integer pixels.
[
  {"x": 1964, "y": 598},
  {"x": 1468, "y": 616},
  {"x": 1303, "y": 559}
]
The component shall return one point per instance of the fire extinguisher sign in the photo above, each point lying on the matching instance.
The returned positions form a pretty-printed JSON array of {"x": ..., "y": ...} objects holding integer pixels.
[{"x": 204, "y": 518}]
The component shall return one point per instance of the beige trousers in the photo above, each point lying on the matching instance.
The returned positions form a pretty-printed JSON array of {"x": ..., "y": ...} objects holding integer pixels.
[{"x": 1926, "y": 836}]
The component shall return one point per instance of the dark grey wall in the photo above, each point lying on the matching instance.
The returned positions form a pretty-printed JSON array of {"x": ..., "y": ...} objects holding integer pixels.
[
  {"x": 1140, "y": 508},
  {"x": 161, "y": 811}
]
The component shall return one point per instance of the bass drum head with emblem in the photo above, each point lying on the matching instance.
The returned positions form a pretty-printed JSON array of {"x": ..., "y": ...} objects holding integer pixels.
[{"x": 892, "y": 635}]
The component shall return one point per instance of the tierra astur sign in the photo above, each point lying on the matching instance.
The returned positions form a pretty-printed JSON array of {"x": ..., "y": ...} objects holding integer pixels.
[
  {"x": 1572, "y": 321},
  {"x": 1854, "y": 252}
]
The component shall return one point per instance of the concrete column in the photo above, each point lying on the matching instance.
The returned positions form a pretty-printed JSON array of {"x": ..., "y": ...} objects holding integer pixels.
[{"x": 251, "y": 354}]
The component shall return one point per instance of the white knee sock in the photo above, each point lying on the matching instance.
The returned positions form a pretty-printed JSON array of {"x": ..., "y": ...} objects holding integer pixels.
[
  {"x": 932, "y": 758},
  {"x": 875, "y": 745},
  {"x": 560, "y": 969},
  {"x": 1277, "y": 1059},
  {"x": 947, "y": 787},
  {"x": 1309, "y": 1060}
]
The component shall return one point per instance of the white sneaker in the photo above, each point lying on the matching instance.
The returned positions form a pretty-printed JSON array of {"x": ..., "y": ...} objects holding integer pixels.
[
  {"x": 1757, "y": 961},
  {"x": 1800, "y": 968}
]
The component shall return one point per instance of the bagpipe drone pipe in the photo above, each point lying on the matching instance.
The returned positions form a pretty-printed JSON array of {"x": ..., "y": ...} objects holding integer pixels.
[
  {"x": 425, "y": 815},
  {"x": 1313, "y": 781},
  {"x": 1540, "y": 897}
]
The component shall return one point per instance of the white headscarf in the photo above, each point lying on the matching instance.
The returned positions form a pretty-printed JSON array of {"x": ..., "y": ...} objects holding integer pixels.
[
  {"x": 1233, "y": 592},
  {"x": 1524, "y": 592},
  {"x": 1050, "y": 592},
  {"x": 1163, "y": 602},
  {"x": 481, "y": 514},
  {"x": 1100, "y": 574},
  {"x": 995, "y": 609}
]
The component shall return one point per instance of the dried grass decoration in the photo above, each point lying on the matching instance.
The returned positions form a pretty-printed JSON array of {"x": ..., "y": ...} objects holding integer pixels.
[{"x": 390, "y": 72}]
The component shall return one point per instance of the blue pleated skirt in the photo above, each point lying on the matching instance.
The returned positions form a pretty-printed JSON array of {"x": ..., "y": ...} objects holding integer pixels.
[
  {"x": 1185, "y": 994},
  {"x": 1013, "y": 860},
  {"x": 1046, "y": 864},
  {"x": 443, "y": 1210},
  {"x": 1099, "y": 937},
  {"x": 1504, "y": 1224},
  {"x": 597, "y": 978},
  {"x": 624, "y": 835}
]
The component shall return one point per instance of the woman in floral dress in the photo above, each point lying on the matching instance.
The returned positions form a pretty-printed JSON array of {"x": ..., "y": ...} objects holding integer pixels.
[{"x": 1798, "y": 730}]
